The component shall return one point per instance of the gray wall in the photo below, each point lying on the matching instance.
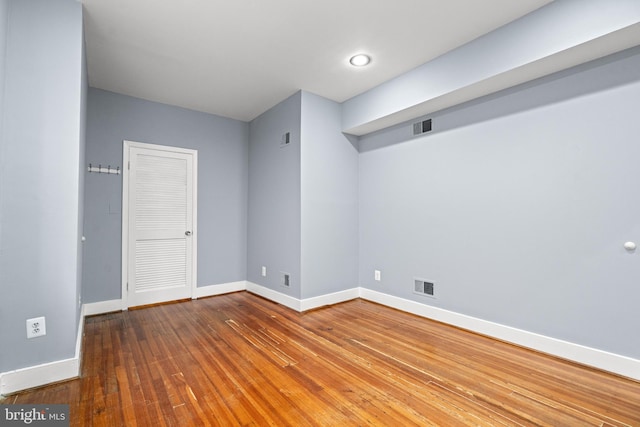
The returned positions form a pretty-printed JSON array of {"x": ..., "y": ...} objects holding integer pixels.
[
  {"x": 4, "y": 16},
  {"x": 222, "y": 146},
  {"x": 274, "y": 197},
  {"x": 329, "y": 205},
  {"x": 4, "y": 21},
  {"x": 41, "y": 145},
  {"x": 517, "y": 207}
]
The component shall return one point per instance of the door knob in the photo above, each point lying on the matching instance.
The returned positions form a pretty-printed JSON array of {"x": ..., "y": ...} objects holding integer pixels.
[{"x": 187, "y": 233}]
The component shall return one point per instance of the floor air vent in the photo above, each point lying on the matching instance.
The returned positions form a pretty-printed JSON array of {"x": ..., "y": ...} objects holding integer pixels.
[
  {"x": 285, "y": 140},
  {"x": 422, "y": 127},
  {"x": 285, "y": 279},
  {"x": 423, "y": 287}
]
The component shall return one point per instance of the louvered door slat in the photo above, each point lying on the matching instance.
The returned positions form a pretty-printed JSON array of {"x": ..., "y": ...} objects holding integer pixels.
[
  {"x": 161, "y": 193},
  {"x": 160, "y": 264}
]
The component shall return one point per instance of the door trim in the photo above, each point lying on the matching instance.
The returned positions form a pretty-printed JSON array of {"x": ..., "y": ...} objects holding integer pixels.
[{"x": 126, "y": 145}]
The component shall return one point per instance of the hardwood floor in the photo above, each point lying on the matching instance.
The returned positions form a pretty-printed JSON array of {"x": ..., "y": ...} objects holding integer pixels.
[{"x": 238, "y": 359}]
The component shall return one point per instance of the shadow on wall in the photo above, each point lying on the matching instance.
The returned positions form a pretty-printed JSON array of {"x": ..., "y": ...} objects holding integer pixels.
[{"x": 586, "y": 78}]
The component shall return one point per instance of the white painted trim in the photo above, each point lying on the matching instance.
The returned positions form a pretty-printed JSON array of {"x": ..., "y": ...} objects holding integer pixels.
[
  {"x": 124, "y": 222},
  {"x": 599, "y": 359},
  {"x": 275, "y": 296},
  {"x": 102, "y": 307},
  {"x": 46, "y": 373},
  {"x": 222, "y": 288},
  {"x": 305, "y": 304},
  {"x": 34, "y": 376},
  {"x": 329, "y": 299},
  {"x": 126, "y": 145},
  {"x": 194, "y": 220},
  {"x": 79, "y": 336},
  {"x": 606, "y": 361}
]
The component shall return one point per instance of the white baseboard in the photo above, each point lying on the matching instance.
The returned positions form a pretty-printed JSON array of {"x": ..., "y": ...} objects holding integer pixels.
[
  {"x": 52, "y": 372},
  {"x": 329, "y": 299},
  {"x": 102, "y": 307},
  {"x": 223, "y": 288},
  {"x": 606, "y": 361},
  {"x": 305, "y": 304},
  {"x": 35, "y": 376},
  {"x": 275, "y": 296}
]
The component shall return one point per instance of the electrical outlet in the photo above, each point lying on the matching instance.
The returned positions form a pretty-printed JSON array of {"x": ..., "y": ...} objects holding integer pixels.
[
  {"x": 36, "y": 327},
  {"x": 376, "y": 275},
  {"x": 264, "y": 271}
]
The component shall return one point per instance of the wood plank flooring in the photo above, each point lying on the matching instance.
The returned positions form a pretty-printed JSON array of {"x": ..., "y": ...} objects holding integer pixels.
[{"x": 238, "y": 359}]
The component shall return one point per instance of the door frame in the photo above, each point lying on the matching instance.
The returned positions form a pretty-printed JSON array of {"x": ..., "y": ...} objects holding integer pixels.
[{"x": 126, "y": 145}]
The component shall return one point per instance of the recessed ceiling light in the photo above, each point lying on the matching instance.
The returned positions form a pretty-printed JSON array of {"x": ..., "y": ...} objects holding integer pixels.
[{"x": 360, "y": 60}]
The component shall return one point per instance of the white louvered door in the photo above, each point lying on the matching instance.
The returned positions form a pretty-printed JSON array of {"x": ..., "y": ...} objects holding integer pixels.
[{"x": 160, "y": 224}]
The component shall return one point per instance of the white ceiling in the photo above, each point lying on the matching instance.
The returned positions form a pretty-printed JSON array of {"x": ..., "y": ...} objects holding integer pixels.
[{"x": 238, "y": 58}]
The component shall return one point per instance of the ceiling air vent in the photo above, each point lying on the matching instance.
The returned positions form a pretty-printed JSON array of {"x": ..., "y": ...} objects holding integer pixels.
[
  {"x": 423, "y": 287},
  {"x": 422, "y": 127}
]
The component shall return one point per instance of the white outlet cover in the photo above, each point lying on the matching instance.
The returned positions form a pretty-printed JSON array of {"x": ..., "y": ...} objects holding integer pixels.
[
  {"x": 264, "y": 271},
  {"x": 376, "y": 275},
  {"x": 36, "y": 327}
]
